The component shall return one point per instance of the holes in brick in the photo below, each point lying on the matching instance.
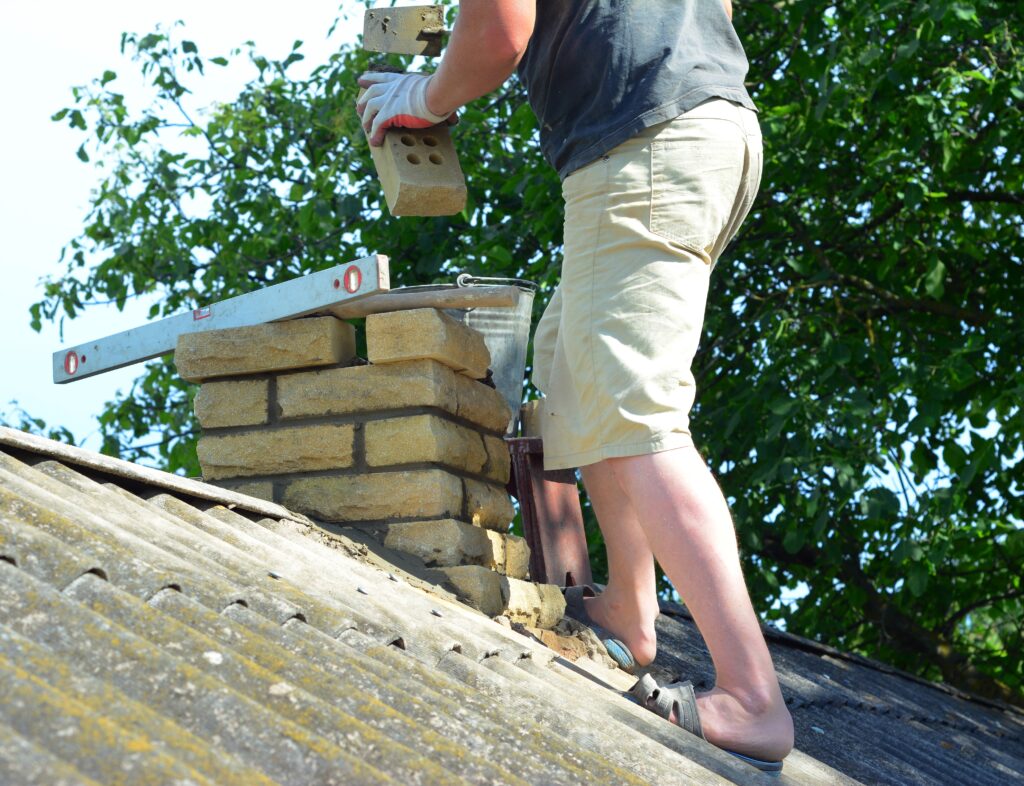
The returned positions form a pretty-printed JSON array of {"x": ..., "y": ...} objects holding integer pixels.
[
  {"x": 412, "y": 158},
  {"x": 430, "y": 141},
  {"x": 408, "y": 141},
  {"x": 435, "y": 158}
]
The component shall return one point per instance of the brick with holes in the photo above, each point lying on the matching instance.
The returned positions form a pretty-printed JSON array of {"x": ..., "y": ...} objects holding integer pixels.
[{"x": 420, "y": 173}]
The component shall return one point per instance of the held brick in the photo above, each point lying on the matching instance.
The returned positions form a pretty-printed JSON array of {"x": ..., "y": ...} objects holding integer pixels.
[
  {"x": 413, "y": 383},
  {"x": 431, "y": 493},
  {"x": 488, "y": 505},
  {"x": 536, "y": 605},
  {"x": 232, "y": 403},
  {"x": 426, "y": 333},
  {"x": 274, "y": 346},
  {"x": 448, "y": 543},
  {"x": 276, "y": 451},
  {"x": 426, "y": 438},
  {"x": 419, "y": 172}
]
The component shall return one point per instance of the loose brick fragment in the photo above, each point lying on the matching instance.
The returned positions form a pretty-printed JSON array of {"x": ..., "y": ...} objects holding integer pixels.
[
  {"x": 426, "y": 333},
  {"x": 536, "y": 605},
  {"x": 232, "y": 403},
  {"x": 276, "y": 451},
  {"x": 275, "y": 346}
]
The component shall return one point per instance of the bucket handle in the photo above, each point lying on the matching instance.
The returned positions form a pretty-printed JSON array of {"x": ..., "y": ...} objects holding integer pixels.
[{"x": 467, "y": 280}]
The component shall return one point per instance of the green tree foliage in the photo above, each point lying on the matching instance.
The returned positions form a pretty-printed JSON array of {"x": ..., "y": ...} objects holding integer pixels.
[{"x": 860, "y": 380}]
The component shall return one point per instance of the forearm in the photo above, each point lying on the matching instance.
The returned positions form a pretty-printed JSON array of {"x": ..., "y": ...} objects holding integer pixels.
[
  {"x": 728, "y": 7},
  {"x": 487, "y": 42}
]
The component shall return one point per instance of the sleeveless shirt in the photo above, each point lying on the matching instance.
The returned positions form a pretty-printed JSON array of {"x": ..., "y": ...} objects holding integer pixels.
[{"x": 598, "y": 72}]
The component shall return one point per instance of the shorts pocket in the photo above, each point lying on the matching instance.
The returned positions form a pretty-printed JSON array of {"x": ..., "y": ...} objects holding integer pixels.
[{"x": 695, "y": 179}]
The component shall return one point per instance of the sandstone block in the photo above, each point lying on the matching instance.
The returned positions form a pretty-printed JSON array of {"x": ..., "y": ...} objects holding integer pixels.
[
  {"x": 488, "y": 505},
  {"x": 431, "y": 493},
  {"x": 477, "y": 586},
  {"x": 414, "y": 383},
  {"x": 448, "y": 543},
  {"x": 412, "y": 30},
  {"x": 274, "y": 346},
  {"x": 530, "y": 418},
  {"x": 262, "y": 489},
  {"x": 232, "y": 403},
  {"x": 481, "y": 404},
  {"x": 536, "y": 605},
  {"x": 419, "y": 172},
  {"x": 499, "y": 462},
  {"x": 517, "y": 556},
  {"x": 276, "y": 451},
  {"x": 426, "y": 333},
  {"x": 428, "y": 438}
]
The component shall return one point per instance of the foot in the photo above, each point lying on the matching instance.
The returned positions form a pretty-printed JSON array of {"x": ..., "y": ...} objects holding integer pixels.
[
  {"x": 756, "y": 725},
  {"x": 632, "y": 625}
]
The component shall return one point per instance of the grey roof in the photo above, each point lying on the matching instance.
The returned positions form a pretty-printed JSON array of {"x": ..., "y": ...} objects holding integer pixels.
[
  {"x": 866, "y": 719},
  {"x": 153, "y": 629}
]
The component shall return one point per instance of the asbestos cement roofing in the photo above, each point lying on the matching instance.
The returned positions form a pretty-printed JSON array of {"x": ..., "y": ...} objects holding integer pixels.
[{"x": 157, "y": 630}]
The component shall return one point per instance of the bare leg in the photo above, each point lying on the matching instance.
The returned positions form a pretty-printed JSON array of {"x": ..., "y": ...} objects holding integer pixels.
[
  {"x": 629, "y": 604},
  {"x": 678, "y": 506}
]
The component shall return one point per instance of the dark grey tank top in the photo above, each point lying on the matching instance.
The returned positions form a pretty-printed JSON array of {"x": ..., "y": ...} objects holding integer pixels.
[{"x": 598, "y": 72}]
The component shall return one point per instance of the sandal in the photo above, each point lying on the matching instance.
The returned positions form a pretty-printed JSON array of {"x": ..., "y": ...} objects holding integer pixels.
[
  {"x": 680, "y": 699},
  {"x": 575, "y": 608}
]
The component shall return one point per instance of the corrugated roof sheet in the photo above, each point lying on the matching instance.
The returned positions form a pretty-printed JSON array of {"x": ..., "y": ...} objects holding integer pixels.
[{"x": 150, "y": 634}]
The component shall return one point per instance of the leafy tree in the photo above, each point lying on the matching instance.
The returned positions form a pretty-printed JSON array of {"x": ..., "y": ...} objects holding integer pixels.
[{"x": 860, "y": 379}]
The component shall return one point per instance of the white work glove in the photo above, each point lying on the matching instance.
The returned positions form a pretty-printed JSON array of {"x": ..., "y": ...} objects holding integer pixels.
[{"x": 395, "y": 100}]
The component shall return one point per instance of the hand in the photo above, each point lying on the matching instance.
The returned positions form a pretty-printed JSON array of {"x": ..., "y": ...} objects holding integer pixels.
[{"x": 395, "y": 100}]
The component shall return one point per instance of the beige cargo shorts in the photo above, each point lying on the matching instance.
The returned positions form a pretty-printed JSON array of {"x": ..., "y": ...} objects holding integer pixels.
[{"x": 644, "y": 227}]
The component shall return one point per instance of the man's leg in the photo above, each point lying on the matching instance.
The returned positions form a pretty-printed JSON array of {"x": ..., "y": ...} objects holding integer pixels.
[
  {"x": 628, "y": 606},
  {"x": 678, "y": 506}
]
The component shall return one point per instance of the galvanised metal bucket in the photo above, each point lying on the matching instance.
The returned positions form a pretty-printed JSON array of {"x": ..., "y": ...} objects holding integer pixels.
[{"x": 506, "y": 332}]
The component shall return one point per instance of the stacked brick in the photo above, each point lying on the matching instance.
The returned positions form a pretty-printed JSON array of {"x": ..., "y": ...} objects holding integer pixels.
[{"x": 409, "y": 444}]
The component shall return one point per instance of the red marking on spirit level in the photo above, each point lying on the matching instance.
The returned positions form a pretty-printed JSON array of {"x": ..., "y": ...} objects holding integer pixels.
[
  {"x": 202, "y": 313},
  {"x": 353, "y": 279},
  {"x": 71, "y": 363}
]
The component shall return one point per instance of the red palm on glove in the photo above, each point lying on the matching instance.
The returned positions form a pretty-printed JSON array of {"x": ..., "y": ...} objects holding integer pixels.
[{"x": 395, "y": 100}]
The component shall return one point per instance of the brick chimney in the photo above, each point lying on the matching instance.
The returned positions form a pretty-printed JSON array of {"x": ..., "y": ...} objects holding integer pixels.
[{"x": 409, "y": 444}]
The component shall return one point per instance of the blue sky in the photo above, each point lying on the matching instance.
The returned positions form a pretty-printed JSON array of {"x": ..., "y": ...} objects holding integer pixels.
[{"x": 45, "y": 49}]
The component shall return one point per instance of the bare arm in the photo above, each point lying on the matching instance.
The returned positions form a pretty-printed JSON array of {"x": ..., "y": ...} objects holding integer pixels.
[
  {"x": 728, "y": 7},
  {"x": 487, "y": 43}
]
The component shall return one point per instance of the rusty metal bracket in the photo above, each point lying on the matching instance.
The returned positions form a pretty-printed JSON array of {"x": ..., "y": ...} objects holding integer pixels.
[{"x": 552, "y": 518}]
